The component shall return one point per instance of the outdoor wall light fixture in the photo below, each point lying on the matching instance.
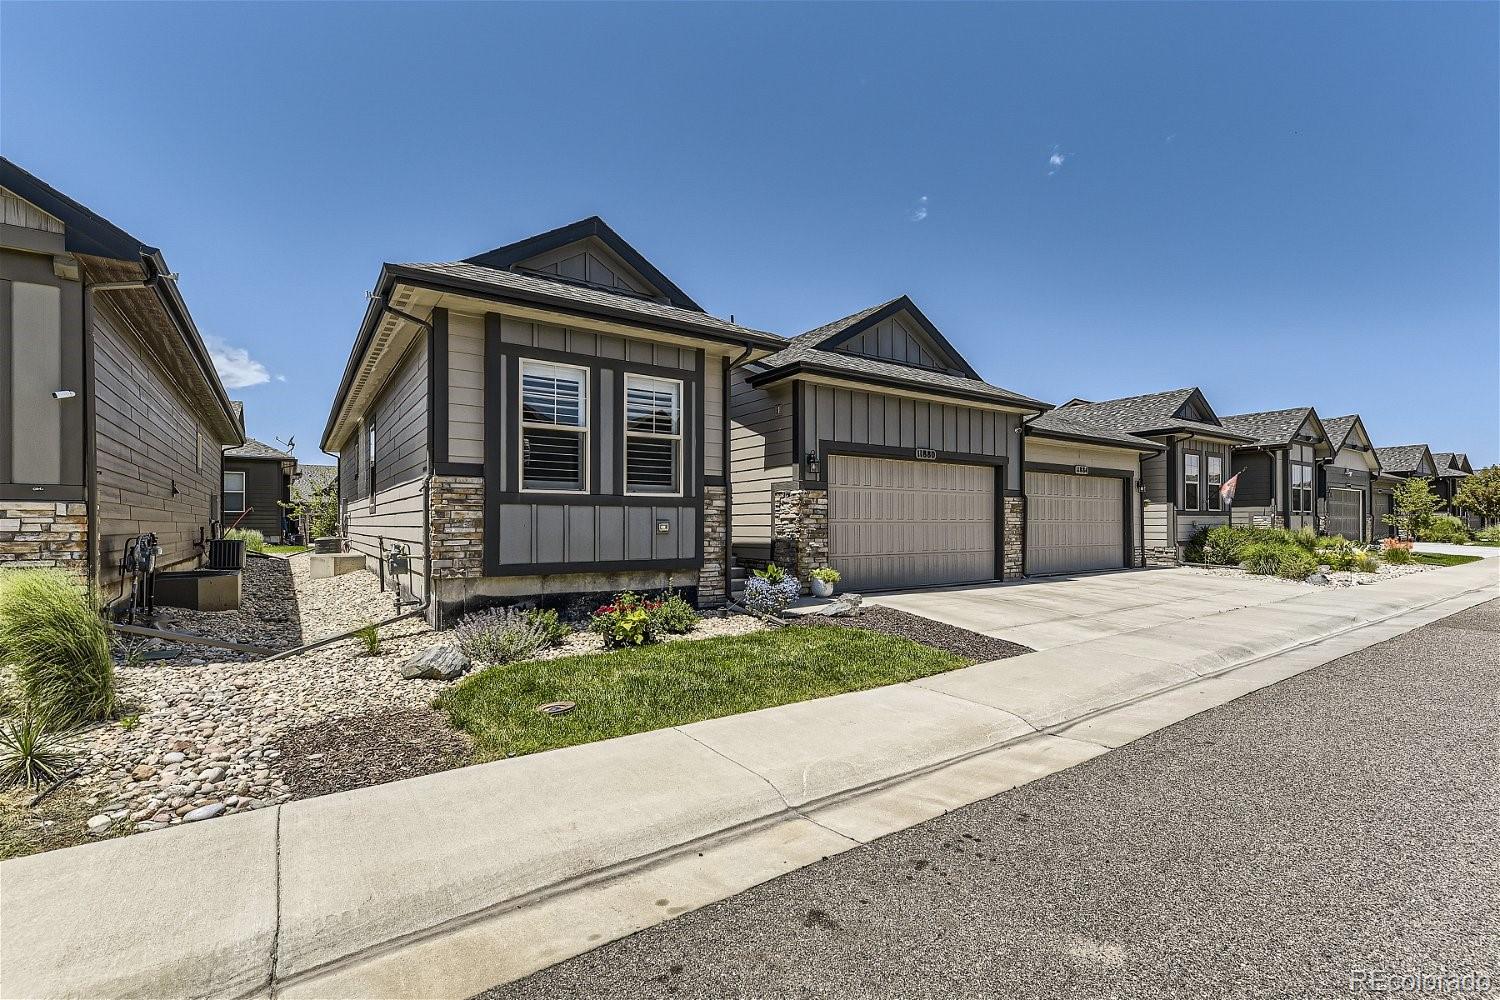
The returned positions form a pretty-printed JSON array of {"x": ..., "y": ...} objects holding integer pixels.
[{"x": 812, "y": 463}]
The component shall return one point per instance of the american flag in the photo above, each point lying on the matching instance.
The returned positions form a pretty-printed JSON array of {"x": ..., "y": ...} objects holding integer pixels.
[{"x": 1230, "y": 485}]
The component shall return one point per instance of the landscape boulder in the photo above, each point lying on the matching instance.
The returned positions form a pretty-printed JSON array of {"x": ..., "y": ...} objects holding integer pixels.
[
  {"x": 840, "y": 606},
  {"x": 435, "y": 663}
]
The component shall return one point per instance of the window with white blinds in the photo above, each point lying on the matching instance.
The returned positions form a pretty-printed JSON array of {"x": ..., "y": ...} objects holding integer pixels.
[
  {"x": 554, "y": 427},
  {"x": 653, "y": 435}
]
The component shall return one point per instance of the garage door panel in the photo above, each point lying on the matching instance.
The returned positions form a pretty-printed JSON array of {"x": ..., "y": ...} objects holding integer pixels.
[
  {"x": 897, "y": 523},
  {"x": 1074, "y": 523},
  {"x": 1346, "y": 513}
]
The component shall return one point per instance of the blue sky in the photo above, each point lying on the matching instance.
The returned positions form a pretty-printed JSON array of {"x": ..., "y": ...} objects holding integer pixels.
[{"x": 1283, "y": 204}]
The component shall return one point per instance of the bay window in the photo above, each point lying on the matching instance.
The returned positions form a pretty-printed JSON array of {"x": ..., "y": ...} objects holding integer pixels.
[
  {"x": 653, "y": 435},
  {"x": 1215, "y": 481},
  {"x": 554, "y": 427},
  {"x": 1191, "y": 481}
]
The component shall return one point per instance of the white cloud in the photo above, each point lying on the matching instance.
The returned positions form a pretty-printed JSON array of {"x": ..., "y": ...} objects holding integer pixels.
[
  {"x": 919, "y": 213},
  {"x": 235, "y": 365},
  {"x": 281, "y": 378},
  {"x": 1172, "y": 137},
  {"x": 1056, "y": 160}
]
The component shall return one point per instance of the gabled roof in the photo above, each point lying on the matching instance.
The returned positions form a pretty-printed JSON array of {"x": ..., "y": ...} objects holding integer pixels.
[
  {"x": 312, "y": 478},
  {"x": 1338, "y": 429},
  {"x": 1270, "y": 428},
  {"x": 1403, "y": 459},
  {"x": 1155, "y": 413},
  {"x": 1060, "y": 423},
  {"x": 109, "y": 255},
  {"x": 503, "y": 258},
  {"x": 258, "y": 449},
  {"x": 812, "y": 353},
  {"x": 1448, "y": 465}
]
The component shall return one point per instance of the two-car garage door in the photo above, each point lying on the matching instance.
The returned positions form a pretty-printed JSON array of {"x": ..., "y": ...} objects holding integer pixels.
[
  {"x": 1074, "y": 523},
  {"x": 899, "y": 523}
]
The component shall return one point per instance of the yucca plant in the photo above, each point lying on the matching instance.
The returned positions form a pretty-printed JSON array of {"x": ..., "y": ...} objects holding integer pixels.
[
  {"x": 57, "y": 645},
  {"x": 31, "y": 753}
]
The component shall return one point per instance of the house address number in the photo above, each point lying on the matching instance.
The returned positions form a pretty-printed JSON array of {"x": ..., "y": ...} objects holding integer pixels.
[
  {"x": 1081, "y": 470},
  {"x": 927, "y": 454}
]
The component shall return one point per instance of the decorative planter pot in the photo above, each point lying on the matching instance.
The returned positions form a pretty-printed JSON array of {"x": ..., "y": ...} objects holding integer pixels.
[{"x": 821, "y": 588}]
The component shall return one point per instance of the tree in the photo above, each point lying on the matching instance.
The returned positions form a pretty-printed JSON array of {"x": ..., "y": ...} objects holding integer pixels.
[
  {"x": 1480, "y": 493},
  {"x": 1415, "y": 506},
  {"x": 319, "y": 507}
]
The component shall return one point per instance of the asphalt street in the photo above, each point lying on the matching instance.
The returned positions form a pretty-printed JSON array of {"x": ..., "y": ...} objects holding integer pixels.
[{"x": 1300, "y": 841}]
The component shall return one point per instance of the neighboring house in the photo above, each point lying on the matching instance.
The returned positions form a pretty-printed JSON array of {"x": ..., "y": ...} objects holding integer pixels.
[
  {"x": 1084, "y": 504},
  {"x": 1452, "y": 469},
  {"x": 871, "y": 445},
  {"x": 1182, "y": 482},
  {"x": 257, "y": 481},
  {"x": 1348, "y": 501},
  {"x": 551, "y": 414},
  {"x": 1406, "y": 461},
  {"x": 111, "y": 414},
  {"x": 309, "y": 481},
  {"x": 1383, "y": 503},
  {"x": 1278, "y": 470}
]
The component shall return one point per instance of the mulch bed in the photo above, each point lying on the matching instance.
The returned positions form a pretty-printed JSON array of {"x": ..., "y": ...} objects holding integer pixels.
[
  {"x": 973, "y": 646},
  {"x": 356, "y": 751}
]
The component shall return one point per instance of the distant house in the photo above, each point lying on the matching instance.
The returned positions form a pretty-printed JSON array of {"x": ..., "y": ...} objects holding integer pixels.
[
  {"x": 111, "y": 414},
  {"x": 1183, "y": 482},
  {"x": 1349, "y": 503},
  {"x": 1406, "y": 461},
  {"x": 1279, "y": 470},
  {"x": 309, "y": 481},
  {"x": 1452, "y": 469},
  {"x": 257, "y": 481}
]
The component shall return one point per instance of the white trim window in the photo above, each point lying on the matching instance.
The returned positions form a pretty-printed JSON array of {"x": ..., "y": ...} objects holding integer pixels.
[
  {"x": 554, "y": 428},
  {"x": 653, "y": 435},
  {"x": 1302, "y": 493},
  {"x": 1215, "y": 482},
  {"x": 234, "y": 492},
  {"x": 1191, "y": 481}
]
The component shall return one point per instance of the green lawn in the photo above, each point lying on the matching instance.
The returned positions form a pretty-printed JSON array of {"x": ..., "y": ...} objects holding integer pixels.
[
  {"x": 1442, "y": 559},
  {"x": 284, "y": 550},
  {"x": 652, "y": 687}
]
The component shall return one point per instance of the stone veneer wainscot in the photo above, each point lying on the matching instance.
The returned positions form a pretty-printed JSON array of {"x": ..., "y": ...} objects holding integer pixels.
[{"x": 44, "y": 534}]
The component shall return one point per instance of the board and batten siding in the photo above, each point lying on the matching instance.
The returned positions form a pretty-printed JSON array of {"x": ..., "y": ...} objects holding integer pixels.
[
  {"x": 894, "y": 339},
  {"x": 157, "y": 463},
  {"x": 859, "y": 416},
  {"x": 396, "y": 513},
  {"x": 760, "y": 454}
]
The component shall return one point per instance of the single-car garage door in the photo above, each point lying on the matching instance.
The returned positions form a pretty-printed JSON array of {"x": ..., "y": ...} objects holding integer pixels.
[
  {"x": 1074, "y": 523},
  {"x": 895, "y": 523},
  {"x": 1346, "y": 514}
]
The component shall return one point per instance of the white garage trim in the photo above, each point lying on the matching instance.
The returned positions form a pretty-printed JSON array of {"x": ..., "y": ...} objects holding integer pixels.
[{"x": 1077, "y": 522}]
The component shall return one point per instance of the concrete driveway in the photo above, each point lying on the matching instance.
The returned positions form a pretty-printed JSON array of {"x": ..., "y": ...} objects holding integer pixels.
[
  {"x": 1483, "y": 551},
  {"x": 1058, "y": 611}
]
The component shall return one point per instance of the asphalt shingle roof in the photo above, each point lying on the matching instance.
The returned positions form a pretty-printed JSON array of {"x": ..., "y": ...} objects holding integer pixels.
[
  {"x": 805, "y": 349},
  {"x": 311, "y": 478},
  {"x": 1402, "y": 458},
  {"x": 1062, "y": 424},
  {"x": 1147, "y": 414},
  {"x": 1270, "y": 426},
  {"x": 256, "y": 449},
  {"x": 1447, "y": 465},
  {"x": 644, "y": 308},
  {"x": 1338, "y": 429}
]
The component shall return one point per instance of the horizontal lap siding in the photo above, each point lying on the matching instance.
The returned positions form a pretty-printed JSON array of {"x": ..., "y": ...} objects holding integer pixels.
[
  {"x": 1158, "y": 530},
  {"x": 760, "y": 454},
  {"x": 857, "y": 416},
  {"x": 465, "y": 388},
  {"x": 1154, "y": 477},
  {"x": 398, "y": 517},
  {"x": 263, "y": 489},
  {"x": 147, "y": 443}
]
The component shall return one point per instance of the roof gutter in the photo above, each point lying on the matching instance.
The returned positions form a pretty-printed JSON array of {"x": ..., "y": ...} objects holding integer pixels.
[
  {"x": 915, "y": 384},
  {"x": 1147, "y": 447}
]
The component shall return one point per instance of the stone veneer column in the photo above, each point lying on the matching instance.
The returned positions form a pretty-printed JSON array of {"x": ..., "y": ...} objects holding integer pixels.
[
  {"x": 799, "y": 542},
  {"x": 456, "y": 510},
  {"x": 44, "y": 534},
  {"x": 1013, "y": 541},
  {"x": 713, "y": 578}
]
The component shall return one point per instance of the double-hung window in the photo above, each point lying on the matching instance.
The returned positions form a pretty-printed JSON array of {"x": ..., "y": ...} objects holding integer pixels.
[
  {"x": 1302, "y": 494},
  {"x": 1192, "y": 481},
  {"x": 554, "y": 427},
  {"x": 653, "y": 435},
  {"x": 1215, "y": 481},
  {"x": 234, "y": 492}
]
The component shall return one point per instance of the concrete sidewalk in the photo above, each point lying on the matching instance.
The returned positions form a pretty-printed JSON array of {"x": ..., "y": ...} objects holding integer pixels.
[{"x": 449, "y": 884}]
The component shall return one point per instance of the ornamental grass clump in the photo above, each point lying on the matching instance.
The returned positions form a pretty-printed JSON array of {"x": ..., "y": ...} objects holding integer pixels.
[
  {"x": 32, "y": 753},
  {"x": 253, "y": 539},
  {"x": 57, "y": 645},
  {"x": 502, "y": 635},
  {"x": 1396, "y": 551}
]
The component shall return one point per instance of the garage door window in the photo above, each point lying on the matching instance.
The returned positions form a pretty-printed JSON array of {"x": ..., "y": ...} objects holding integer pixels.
[{"x": 653, "y": 435}]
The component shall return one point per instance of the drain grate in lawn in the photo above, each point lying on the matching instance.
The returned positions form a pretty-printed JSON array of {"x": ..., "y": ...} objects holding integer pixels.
[
  {"x": 972, "y": 646},
  {"x": 671, "y": 684}
]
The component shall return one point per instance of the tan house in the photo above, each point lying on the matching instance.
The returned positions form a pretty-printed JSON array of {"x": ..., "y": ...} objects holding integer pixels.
[
  {"x": 112, "y": 417},
  {"x": 541, "y": 423}
]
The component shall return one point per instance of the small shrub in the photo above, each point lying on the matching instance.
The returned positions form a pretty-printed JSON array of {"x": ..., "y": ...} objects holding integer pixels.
[
  {"x": 1341, "y": 560},
  {"x": 1445, "y": 528},
  {"x": 1396, "y": 552},
  {"x": 502, "y": 635},
  {"x": 1224, "y": 544},
  {"x": 827, "y": 574},
  {"x": 32, "y": 753},
  {"x": 1488, "y": 536},
  {"x": 1296, "y": 564},
  {"x": 672, "y": 615},
  {"x": 772, "y": 574},
  {"x": 58, "y": 645},
  {"x": 254, "y": 540},
  {"x": 370, "y": 636},
  {"x": 1262, "y": 558},
  {"x": 771, "y": 598},
  {"x": 551, "y": 624},
  {"x": 625, "y": 621},
  {"x": 1364, "y": 562},
  {"x": 129, "y": 722}
]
